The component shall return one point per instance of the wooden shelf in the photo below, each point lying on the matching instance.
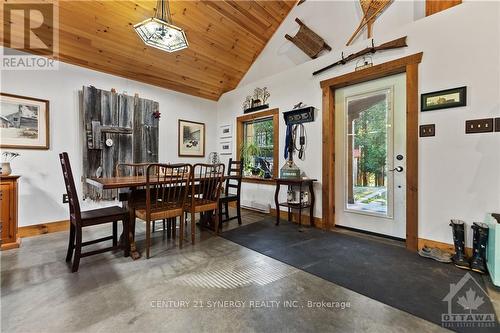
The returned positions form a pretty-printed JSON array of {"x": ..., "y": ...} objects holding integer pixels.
[{"x": 294, "y": 205}]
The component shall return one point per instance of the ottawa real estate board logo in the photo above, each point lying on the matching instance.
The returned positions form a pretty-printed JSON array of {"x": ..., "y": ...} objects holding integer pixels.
[
  {"x": 30, "y": 38},
  {"x": 468, "y": 306}
]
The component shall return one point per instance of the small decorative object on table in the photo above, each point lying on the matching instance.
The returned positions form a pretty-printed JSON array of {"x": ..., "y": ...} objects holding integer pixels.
[
  {"x": 213, "y": 158},
  {"x": 7, "y": 157}
]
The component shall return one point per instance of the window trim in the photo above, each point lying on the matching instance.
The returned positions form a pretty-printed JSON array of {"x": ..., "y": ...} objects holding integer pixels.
[{"x": 274, "y": 113}]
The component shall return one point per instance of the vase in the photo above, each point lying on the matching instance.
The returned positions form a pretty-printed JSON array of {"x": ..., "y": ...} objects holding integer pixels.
[{"x": 6, "y": 169}]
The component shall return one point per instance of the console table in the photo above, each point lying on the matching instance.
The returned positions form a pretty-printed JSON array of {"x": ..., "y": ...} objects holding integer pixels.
[
  {"x": 8, "y": 219},
  {"x": 301, "y": 183}
]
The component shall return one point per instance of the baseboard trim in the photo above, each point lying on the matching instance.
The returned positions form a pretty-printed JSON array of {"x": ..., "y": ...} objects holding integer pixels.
[
  {"x": 42, "y": 229},
  {"x": 450, "y": 248},
  {"x": 361, "y": 231}
]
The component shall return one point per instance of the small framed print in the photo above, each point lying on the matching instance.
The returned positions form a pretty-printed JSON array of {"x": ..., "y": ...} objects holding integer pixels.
[
  {"x": 225, "y": 131},
  {"x": 226, "y": 147},
  {"x": 24, "y": 122},
  {"x": 444, "y": 99}
]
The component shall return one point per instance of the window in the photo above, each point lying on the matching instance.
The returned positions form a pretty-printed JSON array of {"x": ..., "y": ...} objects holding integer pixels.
[{"x": 257, "y": 145}]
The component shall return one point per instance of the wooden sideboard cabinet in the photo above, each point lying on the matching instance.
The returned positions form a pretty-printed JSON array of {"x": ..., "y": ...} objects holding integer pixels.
[{"x": 8, "y": 212}]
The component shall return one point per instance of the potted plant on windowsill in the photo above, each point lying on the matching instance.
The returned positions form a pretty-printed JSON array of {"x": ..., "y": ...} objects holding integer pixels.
[{"x": 248, "y": 153}]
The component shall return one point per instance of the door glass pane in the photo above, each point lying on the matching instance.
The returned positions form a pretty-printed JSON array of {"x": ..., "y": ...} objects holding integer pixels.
[{"x": 369, "y": 152}]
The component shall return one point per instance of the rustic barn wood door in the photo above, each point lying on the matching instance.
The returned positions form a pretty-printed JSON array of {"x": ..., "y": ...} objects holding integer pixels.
[{"x": 117, "y": 129}]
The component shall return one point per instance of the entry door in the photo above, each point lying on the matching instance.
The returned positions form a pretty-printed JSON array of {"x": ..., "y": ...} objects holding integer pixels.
[{"x": 370, "y": 156}]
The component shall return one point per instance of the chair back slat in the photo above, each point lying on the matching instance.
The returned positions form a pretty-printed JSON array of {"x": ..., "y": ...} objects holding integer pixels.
[
  {"x": 74, "y": 204},
  {"x": 131, "y": 169},
  {"x": 207, "y": 181},
  {"x": 235, "y": 174},
  {"x": 167, "y": 186}
]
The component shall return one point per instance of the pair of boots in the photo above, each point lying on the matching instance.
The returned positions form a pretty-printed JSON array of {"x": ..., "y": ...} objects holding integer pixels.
[{"x": 480, "y": 238}]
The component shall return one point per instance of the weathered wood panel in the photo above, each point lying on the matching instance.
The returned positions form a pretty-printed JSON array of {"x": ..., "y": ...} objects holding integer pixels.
[{"x": 117, "y": 129}]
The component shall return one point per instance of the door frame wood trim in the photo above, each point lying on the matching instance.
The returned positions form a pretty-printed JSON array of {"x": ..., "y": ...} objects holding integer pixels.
[{"x": 408, "y": 65}]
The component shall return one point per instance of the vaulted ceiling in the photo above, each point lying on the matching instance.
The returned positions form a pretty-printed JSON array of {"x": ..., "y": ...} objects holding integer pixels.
[{"x": 224, "y": 39}]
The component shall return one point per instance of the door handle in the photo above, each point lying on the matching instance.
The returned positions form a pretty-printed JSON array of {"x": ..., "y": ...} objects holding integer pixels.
[{"x": 398, "y": 169}]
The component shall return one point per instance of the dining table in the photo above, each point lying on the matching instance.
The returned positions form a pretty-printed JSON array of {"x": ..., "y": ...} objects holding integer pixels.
[{"x": 131, "y": 190}]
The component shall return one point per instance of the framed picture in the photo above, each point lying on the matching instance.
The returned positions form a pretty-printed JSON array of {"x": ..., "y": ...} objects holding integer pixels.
[
  {"x": 191, "y": 139},
  {"x": 226, "y": 147},
  {"x": 225, "y": 131},
  {"x": 450, "y": 98},
  {"x": 24, "y": 122}
]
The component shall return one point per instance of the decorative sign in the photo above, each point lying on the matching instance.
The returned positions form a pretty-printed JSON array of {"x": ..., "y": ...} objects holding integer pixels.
[{"x": 299, "y": 116}]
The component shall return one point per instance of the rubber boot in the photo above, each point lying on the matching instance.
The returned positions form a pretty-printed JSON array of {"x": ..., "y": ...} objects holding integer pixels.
[
  {"x": 478, "y": 260},
  {"x": 458, "y": 228}
]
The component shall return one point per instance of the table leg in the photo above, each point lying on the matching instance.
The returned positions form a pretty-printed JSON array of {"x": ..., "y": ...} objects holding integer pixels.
[
  {"x": 311, "y": 207},
  {"x": 277, "y": 204},
  {"x": 131, "y": 209}
]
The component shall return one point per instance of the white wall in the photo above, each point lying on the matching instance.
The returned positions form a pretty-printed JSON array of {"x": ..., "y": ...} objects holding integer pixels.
[
  {"x": 41, "y": 185},
  {"x": 334, "y": 21},
  {"x": 458, "y": 174}
]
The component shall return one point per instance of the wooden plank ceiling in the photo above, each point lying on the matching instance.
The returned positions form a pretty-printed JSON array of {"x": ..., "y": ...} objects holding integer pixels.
[{"x": 225, "y": 37}]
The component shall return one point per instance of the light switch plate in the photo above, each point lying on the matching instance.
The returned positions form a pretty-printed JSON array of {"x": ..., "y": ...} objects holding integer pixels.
[
  {"x": 427, "y": 130},
  {"x": 479, "y": 126}
]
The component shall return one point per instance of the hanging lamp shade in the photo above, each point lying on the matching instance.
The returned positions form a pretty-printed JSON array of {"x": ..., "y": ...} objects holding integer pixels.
[{"x": 159, "y": 31}]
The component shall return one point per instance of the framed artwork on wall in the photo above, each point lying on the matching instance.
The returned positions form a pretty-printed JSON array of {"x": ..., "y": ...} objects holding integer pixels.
[
  {"x": 444, "y": 99},
  {"x": 225, "y": 131},
  {"x": 226, "y": 147},
  {"x": 24, "y": 122},
  {"x": 191, "y": 140}
]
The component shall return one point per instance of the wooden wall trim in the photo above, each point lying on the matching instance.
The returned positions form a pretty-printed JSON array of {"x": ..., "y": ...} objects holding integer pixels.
[
  {"x": 328, "y": 179},
  {"x": 412, "y": 156},
  {"x": 408, "y": 65},
  {"x": 371, "y": 73},
  {"x": 276, "y": 135},
  {"x": 442, "y": 246},
  {"x": 44, "y": 228},
  {"x": 436, "y": 6}
]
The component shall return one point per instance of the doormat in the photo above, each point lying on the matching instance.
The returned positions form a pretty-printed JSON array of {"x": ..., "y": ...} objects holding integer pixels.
[{"x": 440, "y": 293}]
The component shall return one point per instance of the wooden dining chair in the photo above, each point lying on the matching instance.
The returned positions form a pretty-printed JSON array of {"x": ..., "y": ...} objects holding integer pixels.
[
  {"x": 131, "y": 169},
  {"x": 233, "y": 181},
  {"x": 138, "y": 169},
  {"x": 79, "y": 220},
  {"x": 205, "y": 191},
  {"x": 166, "y": 193}
]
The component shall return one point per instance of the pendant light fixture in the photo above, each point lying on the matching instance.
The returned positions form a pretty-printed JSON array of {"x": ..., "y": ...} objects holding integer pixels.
[{"x": 159, "y": 31}]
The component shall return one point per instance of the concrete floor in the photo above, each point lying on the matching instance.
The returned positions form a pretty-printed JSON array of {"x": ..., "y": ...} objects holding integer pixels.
[{"x": 214, "y": 286}]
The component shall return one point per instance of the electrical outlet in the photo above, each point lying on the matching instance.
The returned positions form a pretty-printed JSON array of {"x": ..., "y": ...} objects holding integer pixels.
[
  {"x": 427, "y": 130},
  {"x": 479, "y": 126},
  {"x": 497, "y": 124},
  {"x": 65, "y": 198}
]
